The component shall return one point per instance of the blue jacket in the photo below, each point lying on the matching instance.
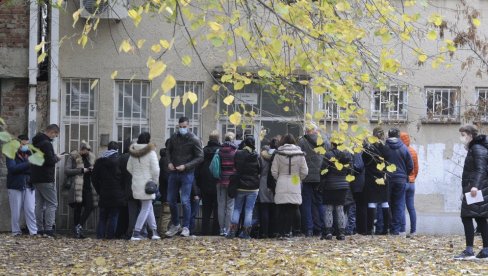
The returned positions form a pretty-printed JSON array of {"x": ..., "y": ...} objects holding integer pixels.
[
  {"x": 18, "y": 177},
  {"x": 397, "y": 153}
]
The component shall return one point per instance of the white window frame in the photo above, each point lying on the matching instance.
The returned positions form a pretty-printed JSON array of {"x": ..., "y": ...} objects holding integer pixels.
[
  {"x": 332, "y": 111},
  {"x": 386, "y": 111},
  {"x": 130, "y": 122},
  {"x": 172, "y": 115},
  {"x": 437, "y": 104},
  {"x": 482, "y": 103}
]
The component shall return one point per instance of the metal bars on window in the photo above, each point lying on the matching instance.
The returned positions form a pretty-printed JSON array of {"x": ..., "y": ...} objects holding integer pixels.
[
  {"x": 482, "y": 103},
  {"x": 442, "y": 103},
  {"x": 185, "y": 108},
  {"x": 390, "y": 105}
]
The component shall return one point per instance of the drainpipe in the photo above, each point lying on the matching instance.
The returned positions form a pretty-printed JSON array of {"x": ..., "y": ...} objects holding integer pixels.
[
  {"x": 33, "y": 69},
  {"x": 54, "y": 72}
]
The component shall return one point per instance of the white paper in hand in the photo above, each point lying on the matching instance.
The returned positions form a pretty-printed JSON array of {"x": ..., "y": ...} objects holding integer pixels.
[{"x": 470, "y": 200}]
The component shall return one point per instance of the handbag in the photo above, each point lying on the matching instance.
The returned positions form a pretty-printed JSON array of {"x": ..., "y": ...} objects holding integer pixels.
[
  {"x": 151, "y": 187},
  {"x": 233, "y": 185}
]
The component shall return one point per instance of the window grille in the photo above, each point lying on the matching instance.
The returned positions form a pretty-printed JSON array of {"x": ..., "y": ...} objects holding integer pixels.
[
  {"x": 390, "y": 105},
  {"x": 442, "y": 103}
]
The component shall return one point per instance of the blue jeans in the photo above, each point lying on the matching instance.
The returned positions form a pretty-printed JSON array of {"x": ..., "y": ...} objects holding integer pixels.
[
  {"x": 244, "y": 200},
  {"x": 185, "y": 179},
  {"x": 107, "y": 222},
  {"x": 350, "y": 210},
  {"x": 397, "y": 205},
  {"x": 310, "y": 199},
  {"x": 409, "y": 199}
]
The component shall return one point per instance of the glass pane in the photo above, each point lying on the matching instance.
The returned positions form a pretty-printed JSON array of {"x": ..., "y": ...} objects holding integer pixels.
[{"x": 84, "y": 98}]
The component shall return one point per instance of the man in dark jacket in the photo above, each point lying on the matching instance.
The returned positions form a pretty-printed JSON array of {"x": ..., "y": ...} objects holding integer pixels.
[
  {"x": 42, "y": 177},
  {"x": 106, "y": 180},
  {"x": 184, "y": 153},
  {"x": 396, "y": 153}
]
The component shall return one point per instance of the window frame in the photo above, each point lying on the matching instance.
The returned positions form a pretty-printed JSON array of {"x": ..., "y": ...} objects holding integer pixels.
[
  {"x": 400, "y": 114},
  {"x": 443, "y": 118}
]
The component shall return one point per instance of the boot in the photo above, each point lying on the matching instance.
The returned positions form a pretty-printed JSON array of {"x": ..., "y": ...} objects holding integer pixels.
[
  {"x": 79, "y": 232},
  {"x": 232, "y": 231},
  {"x": 370, "y": 223},
  {"x": 341, "y": 235},
  {"x": 327, "y": 234},
  {"x": 246, "y": 233},
  {"x": 386, "y": 220}
]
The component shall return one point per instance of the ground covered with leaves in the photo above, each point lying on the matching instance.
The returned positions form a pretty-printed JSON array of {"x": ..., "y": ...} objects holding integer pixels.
[{"x": 359, "y": 255}]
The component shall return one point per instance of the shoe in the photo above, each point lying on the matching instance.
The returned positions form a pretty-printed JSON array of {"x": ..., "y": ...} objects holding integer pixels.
[
  {"x": 49, "y": 234},
  {"x": 341, "y": 235},
  {"x": 136, "y": 236},
  {"x": 483, "y": 255},
  {"x": 17, "y": 234},
  {"x": 223, "y": 232},
  {"x": 411, "y": 235},
  {"x": 246, "y": 233},
  {"x": 155, "y": 237},
  {"x": 40, "y": 233},
  {"x": 326, "y": 236},
  {"x": 173, "y": 230},
  {"x": 185, "y": 232},
  {"x": 79, "y": 232},
  {"x": 232, "y": 231},
  {"x": 309, "y": 234},
  {"x": 465, "y": 255}
]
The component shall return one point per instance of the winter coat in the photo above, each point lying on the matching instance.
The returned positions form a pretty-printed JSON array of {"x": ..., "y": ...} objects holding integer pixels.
[
  {"x": 248, "y": 168},
  {"x": 205, "y": 180},
  {"x": 184, "y": 150},
  {"x": 74, "y": 172},
  {"x": 163, "y": 175},
  {"x": 406, "y": 140},
  {"x": 143, "y": 165},
  {"x": 227, "y": 154},
  {"x": 397, "y": 153},
  {"x": 126, "y": 177},
  {"x": 335, "y": 179},
  {"x": 475, "y": 175},
  {"x": 308, "y": 143},
  {"x": 372, "y": 156},
  {"x": 44, "y": 173},
  {"x": 289, "y": 168},
  {"x": 357, "y": 186},
  {"x": 265, "y": 194},
  {"x": 107, "y": 181},
  {"x": 18, "y": 175}
]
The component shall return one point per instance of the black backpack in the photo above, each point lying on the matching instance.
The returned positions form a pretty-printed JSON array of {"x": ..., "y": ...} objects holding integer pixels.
[{"x": 270, "y": 181}]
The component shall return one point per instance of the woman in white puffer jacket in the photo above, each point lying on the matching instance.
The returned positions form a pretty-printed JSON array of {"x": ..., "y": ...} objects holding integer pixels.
[{"x": 143, "y": 165}]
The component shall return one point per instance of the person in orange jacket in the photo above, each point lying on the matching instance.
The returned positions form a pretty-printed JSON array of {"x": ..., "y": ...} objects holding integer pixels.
[{"x": 410, "y": 190}]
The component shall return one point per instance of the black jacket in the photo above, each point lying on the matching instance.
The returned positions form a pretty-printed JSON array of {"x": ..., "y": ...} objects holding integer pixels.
[
  {"x": 18, "y": 177},
  {"x": 357, "y": 185},
  {"x": 163, "y": 175},
  {"x": 205, "y": 180},
  {"x": 44, "y": 173},
  {"x": 106, "y": 179},
  {"x": 308, "y": 143},
  {"x": 184, "y": 150},
  {"x": 248, "y": 168},
  {"x": 126, "y": 177},
  {"x": 475, "y": 175},
  {"x": 335, "y": 179},
  {"x": 373, "y": 155}
]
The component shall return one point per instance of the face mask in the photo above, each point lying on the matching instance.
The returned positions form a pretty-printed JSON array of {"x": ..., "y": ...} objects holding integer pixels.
[
  {"x": 183, "y": 131},
  {"x": 465, "y": 140},
  {"x": 24, "y": 148}
]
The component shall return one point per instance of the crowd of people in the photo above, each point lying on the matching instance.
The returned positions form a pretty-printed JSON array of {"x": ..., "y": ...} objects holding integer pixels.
[{"x": 284, "y": 189}]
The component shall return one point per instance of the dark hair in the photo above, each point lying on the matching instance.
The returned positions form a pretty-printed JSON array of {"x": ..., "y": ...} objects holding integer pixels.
[
  {"x": 378, "y": 132},
  {"x": 84, "y": 145},
  {"x": 394, "y": 133},
  {"x": 52, "y": 127},
  {"x": 144, "y": 138},
  {"x": 166, "y": 143},
  {"x": 273, "y": 144},
  {"x": 249, "y": 142},
  {"x": 288, "y": 139},
  {"x": 469, "y": 129},
  {"x": 183, "y": 119},
  {"x": 112, "y": 145},
  {"x": 23, "y": 137}
]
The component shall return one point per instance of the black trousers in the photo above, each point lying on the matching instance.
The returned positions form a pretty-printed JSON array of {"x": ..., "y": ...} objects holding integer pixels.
[
  {"x": 287, "y": 215},
  {"x": 266, "y": 219},
  {"x": 469, "y": 230},
  {"x": 361, "y": 213},
  {"x": 210, "y": 223},
  {"x": 82, "y": 210}
]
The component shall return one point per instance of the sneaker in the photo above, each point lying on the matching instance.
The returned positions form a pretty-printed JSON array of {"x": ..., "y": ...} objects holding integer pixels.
[
  {"x": 79, "y": 232},
  {"x": 49, "y": 234},
  {"x": 223, "y": 232},
  {"x": 173, "y": 230},
  {"x": 185, "y": 232},
  {"x": 411, "y": 235},
  {"x": 17, "y": 234},
  {"x": 483, "y": 255},
  {"x": 465, "y": 255},
  {"x": 326, "y": 236},
  {"x": 155, "y": 237},
  {"x": 136, "y": 236}
]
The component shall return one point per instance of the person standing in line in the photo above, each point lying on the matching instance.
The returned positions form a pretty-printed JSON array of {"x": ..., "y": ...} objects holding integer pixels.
[
  {"x": 474, "y": 181},
  {"x": 108, "y": 184},
  {"x": 43, "y": 180},
  {"x": 289, "y": 168},
  {"x": 410, "y": 189},
  {"x": 143, "y": 166},
  {"x": 84, "y": 199},
  {"x": 360, "y": 199},
  {"x": 165, "y": 220},
  {"x": 308, "y": 143},
  {"x": 266, "y": 198},
  {"x": 21, "y": 193}
]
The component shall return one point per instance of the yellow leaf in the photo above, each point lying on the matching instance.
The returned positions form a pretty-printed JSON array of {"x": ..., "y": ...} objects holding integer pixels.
[
  {"x": 295, "y": 179},
  {"x": 140, "y": 43},
  {"x": 303, "y": 82},
  {"x": 168, "y": 83},
  {"x": 83, "y": 40},
  {"x": 319, "y": 150},
  {"x": 215, "y": 87},
  {"x": 192, "y": 97},
  {"x": 350, "y": 178},
  {"x": 215, "y": 26},
  {"x": 238, "y": 85},
  {"x": 39, "y": 46},
  {"x": 339, "y": 166},
  {"x": 229, "y": 100},
  {"x": 373, "y": 139},
  {"x": 343, "y": 6},
  {"x": 100, "y": 261},
  {"x": 94, "y": 84},
  {"x": 205, "y": 104},
  {"x": 150, "y": 62},
  {"x": 41, "y": 57},
  {"x": 235, "y": 118},
  {"x": 391, "y": 168},
  {"x": 135, "y": 16},
  {"x": 365, "y": 77},
  {"x": 322, "y": 172},
  {"x": 380, "y": 166},
  {"x": 318, "y": 115},
  {"x": 432, "y": 35},
  {"x": 422, "y": 58},
  {"x": 76, "y": 16},
  {"x": 476, "y": 22},
  {"x": 165, "y": 100},
  {"x": 176, "y": 102},
  {"x": 164, "y": 43},
  {"x": 286, "y": 108},
  {"x": 114, "y": 74},
  {"x": 380, "y": 181},
  {"x": 185, "y": 98},
  {"x": 186, "y": 60},
  {"x": 156, "y": 48},
  {"x": 320, "y": 140},
  {"x": 125, "y": 46},
  {"x": 156, "y": 69}
]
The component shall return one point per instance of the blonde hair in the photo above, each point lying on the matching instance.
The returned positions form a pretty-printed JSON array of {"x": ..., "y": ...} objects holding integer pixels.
[
  {"x": 230, "y": 136},
  {"x": 214, "y": 135}
]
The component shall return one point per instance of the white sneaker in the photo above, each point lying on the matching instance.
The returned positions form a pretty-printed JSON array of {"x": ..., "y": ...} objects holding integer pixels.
[
  {"x": 185, "y": 232},
  {"x": 155, "y": 237},
  {"x": 173, "y": 230}
]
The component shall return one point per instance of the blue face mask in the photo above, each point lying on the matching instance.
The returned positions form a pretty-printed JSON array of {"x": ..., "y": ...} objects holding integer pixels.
[
  {"x": 24, "y": 148},
  {"x": 183, "y": 131}
]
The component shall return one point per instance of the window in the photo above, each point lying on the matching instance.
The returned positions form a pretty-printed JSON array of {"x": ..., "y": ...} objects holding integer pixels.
[
  {"x": 79, "y": 113},
  {"x": 185, "y": 109},
  {"x": 132, "y": 110},
  {"x": 390, "y": 105},
  {"x": 442, "y": 103},
  {"x": 482, "y": 103},
  {"x": 332, "y": 111}
]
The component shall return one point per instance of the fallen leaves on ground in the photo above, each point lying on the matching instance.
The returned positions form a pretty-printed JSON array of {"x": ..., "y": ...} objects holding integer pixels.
[{"x": 359, "y": 255}]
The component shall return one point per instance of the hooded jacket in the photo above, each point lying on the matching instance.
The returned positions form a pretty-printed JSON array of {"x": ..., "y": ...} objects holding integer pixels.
[
  {"x": 397, "y": 153},
  {"x": 475, "y": 175},
  {"x": 308, "y": 143},
  {"x": 184, "y": 150},
  {"x": 406, "y": 140},
  {"x": 143, "y": 165},
  {"x": 227, "y": 164},
  {"x": 289, "y": 168},
  {"x": 74, "y": 171},
  {"x": 265, "y": 194},
  {"x": 107, "y": 181},
  {"x": 333, "y": 178},
  {"x": 204, "y": 178},
  {"x": 18, "y": 176},
  {"x": 248, "y": 168},
  {"x": 44, "y": 173}
]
